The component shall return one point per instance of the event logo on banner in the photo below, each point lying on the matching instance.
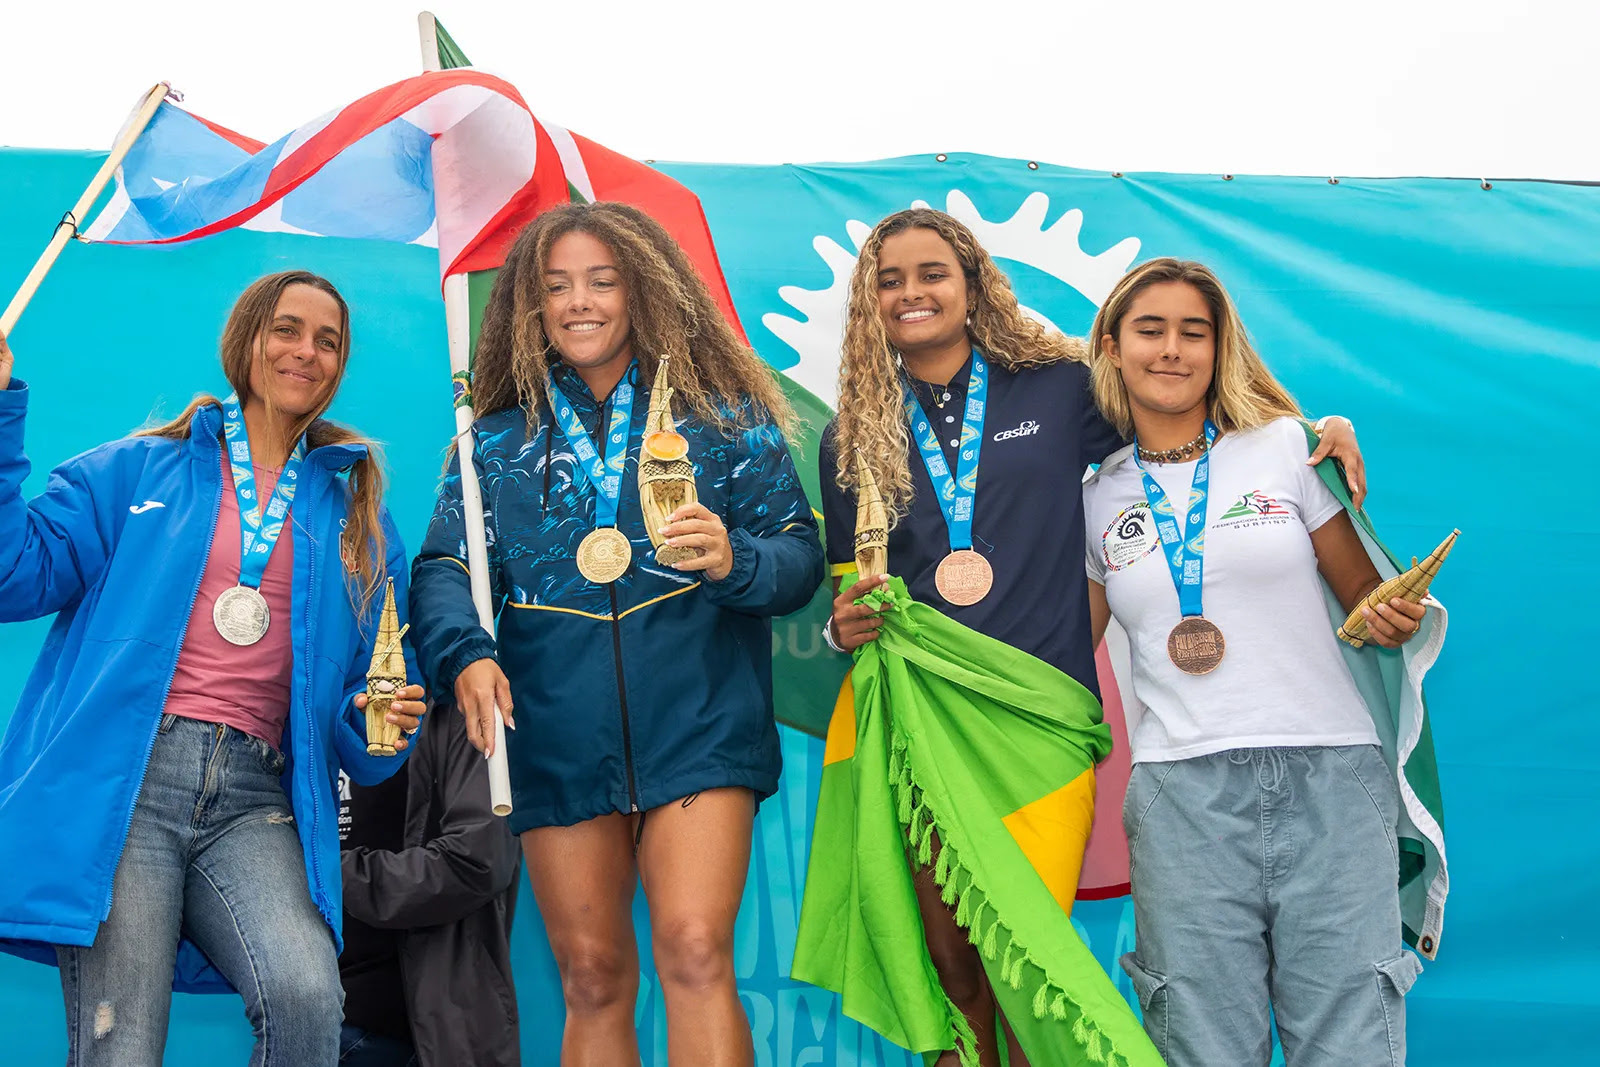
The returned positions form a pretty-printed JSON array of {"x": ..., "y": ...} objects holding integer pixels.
[{"x": 1023, "y": 238}]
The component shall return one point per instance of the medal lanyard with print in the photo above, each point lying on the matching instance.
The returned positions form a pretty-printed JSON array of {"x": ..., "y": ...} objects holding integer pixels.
[
  {"x": 259, "y": 530},
  {"x": 1195, "y": 645},
  {"x": 604, "y": 473},
  {"x": 958, "y": 493}
]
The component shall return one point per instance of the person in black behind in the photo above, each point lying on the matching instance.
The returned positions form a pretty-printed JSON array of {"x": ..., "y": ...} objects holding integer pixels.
[{"x": 430, "y": 880}]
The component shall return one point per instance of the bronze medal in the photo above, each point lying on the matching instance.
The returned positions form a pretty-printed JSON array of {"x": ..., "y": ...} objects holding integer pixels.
[
  {"x": 1195, "y": 645},
  {"x": 964, "y": 577},
  {"x": 604, "y": 555}
]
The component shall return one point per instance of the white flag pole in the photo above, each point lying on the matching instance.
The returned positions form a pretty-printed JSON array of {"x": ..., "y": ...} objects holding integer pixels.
[
  {"x": 458, "y": 327},
  {"x": 67, "y": 228}
]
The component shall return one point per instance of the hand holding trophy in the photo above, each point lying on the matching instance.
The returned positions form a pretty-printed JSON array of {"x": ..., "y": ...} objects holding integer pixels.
[
  {"x": 386, "y": 678},
  {"x": 666, "y": 475},
  {"x": 1412, "y": 586}
]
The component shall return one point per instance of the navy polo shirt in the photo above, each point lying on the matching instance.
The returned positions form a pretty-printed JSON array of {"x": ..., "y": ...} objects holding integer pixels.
[{"x": 1041, "y": 429}]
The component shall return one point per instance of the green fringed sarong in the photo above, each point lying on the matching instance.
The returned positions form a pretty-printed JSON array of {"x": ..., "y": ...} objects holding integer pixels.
[{"x": 952, "y": 733}]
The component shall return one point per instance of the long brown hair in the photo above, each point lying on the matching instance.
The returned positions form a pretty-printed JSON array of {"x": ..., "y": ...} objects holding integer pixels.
[
  {"x": 871, "y": 420},
  {"x": 362, "y": 545},
  {"x": 670, "y": 309},
  {"x": 1243, "y": 393}
]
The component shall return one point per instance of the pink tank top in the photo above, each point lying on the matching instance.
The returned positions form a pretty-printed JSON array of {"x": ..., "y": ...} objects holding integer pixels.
[{"x": 244, "y": 687}]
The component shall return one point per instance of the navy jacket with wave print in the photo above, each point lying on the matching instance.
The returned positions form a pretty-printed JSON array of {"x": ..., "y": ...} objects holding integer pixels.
[{"x": 655, "y": 687}]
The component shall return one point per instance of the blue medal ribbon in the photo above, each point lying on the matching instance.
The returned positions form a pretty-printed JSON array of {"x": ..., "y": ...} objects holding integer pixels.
[
  {"x": 957, "y": 494},
  {"x": 259, "y": 530},
  {"x": 1185, "y": 549},
  {"x": 604, "y": 473}
]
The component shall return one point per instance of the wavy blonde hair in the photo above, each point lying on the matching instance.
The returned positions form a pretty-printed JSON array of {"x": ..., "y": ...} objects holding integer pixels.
[
  {"x": 670, "y": 310},
  {"x": 1242, "y": 395},
  {"x": 871, "y": 419},
  {"x": 362, "y": 544}
]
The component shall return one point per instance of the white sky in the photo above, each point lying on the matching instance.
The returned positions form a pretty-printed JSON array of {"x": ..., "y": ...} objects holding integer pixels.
[{"x": 1348, "y": 87}]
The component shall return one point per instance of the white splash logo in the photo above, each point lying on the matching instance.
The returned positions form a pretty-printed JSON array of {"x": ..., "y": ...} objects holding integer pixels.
[{"x": 815, "y": 335}]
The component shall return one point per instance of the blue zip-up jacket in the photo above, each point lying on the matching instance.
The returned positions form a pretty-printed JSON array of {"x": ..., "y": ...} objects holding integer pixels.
[
  {"x": 635, "y": 694},
  {"x": 115, "y": 547}
]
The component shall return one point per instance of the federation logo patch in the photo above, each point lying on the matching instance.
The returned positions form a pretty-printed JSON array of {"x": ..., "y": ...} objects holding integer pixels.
[
  {"x": 1255, "y": 509},
  {"x": 1131, "y": 537}
]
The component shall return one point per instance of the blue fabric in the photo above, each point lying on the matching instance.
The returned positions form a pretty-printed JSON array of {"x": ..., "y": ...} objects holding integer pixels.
[
  {"x": 211, "y": 851},
  {"x": 628, "y": 695},
  {"x": 115, "y": 547}
]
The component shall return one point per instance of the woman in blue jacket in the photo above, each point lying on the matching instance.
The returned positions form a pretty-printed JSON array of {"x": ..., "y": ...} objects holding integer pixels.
[
  {"x": 643, "y": 694},
  {"x": 168, "y": 815}
]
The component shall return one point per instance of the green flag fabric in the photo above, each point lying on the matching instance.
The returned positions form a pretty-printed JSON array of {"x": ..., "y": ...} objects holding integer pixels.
[{"x": 954, "y": 750}]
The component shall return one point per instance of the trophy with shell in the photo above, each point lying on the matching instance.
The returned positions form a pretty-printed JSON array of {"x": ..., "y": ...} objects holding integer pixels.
[
  {"x": 385, "y": 678},
  {"x": 1412, "y": 585},
  {"x": 872, "y": 524},
  {"x": 666, "y": 475}
]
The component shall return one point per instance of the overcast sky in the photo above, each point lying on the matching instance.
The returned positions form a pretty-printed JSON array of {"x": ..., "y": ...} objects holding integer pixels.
[{"x": 1335, "y": 87}]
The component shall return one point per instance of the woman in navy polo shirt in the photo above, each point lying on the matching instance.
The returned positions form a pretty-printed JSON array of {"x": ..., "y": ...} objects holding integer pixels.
[{"x": 926, "y": 304}]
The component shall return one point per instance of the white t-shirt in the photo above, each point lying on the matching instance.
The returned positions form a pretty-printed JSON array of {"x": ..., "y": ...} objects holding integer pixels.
[{"x": 1282, "y": 680}]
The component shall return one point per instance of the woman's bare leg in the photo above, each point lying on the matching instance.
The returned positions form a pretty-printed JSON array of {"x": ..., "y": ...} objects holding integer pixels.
[
  {"x": 693, "y": 860},
  {"x": 583, "y": 879},
  {"x": 960, "y": 968}
]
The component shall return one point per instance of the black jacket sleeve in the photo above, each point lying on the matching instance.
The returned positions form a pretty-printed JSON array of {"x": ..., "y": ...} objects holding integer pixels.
[{"x": 470, "y": 859}]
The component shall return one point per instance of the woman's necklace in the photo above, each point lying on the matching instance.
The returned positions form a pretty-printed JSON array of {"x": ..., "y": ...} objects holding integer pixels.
[
  {"x": 1182, "y": 454},
  {"x": 939, "y": 394}
]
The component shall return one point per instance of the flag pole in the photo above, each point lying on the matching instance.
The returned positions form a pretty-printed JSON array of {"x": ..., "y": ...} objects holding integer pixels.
[
  {"x": 68, "y": 226},
  {"x": 458, "y": 328}
]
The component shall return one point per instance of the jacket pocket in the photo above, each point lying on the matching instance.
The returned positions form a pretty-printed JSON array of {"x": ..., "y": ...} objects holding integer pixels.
[{"x": 1151, "y": 989}]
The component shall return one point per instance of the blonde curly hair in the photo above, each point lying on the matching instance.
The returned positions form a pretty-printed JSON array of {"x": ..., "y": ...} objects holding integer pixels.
[
  {"x": 871, "y": 420},
  {"x": 670, "y": 310}
]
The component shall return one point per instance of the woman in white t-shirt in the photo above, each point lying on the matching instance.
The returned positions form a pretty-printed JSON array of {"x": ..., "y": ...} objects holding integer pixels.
[{"x": 1260, "y": 813}]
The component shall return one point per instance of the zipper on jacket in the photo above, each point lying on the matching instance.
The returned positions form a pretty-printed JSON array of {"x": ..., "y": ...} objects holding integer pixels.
[
  {"x": 305, "y": 704},
  {"x": 616, "y": 640},
  {"x": 622, "y": 697},
  {"x": 183, "y": 633}
]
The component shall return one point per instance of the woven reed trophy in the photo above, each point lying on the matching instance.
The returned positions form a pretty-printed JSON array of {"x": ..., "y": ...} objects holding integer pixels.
[
  {"x": 1411, "y": 585},
  {"x": 872, "y": 524},
  {"x": 666, "y": 475},
  {"x": 385, "y": 678}
]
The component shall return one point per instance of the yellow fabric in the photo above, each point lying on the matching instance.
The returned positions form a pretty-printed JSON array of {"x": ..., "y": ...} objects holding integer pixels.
[
  {"x": 841, "y": 744},
  {"x": 1053, "y": 832}
]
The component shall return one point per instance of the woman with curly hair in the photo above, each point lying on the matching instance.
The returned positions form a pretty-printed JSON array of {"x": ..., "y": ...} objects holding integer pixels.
[
  {"x": 975, "y": 423},
  {"x": 641, "y": 681}
]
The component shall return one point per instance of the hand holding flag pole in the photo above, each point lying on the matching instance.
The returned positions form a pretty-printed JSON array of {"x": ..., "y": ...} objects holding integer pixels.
[
  {"x": 68, "y": 226},
  {"x": 458, "y": 327}
]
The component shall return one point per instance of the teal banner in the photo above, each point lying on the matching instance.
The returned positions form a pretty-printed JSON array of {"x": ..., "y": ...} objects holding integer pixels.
[{"x": 1454, "y": 322}]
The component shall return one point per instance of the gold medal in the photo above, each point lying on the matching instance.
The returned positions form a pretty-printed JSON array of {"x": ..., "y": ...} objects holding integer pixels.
[
  {"x": 1195, "y": 645},
  {"x": 964, "y": 577},
  {"x": 604, "y": 555}
]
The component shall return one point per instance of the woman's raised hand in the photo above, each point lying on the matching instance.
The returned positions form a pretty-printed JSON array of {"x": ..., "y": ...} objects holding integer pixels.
[{"x": 6, "y": 362}]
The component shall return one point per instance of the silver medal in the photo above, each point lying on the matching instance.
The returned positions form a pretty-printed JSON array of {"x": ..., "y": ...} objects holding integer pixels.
[{"x": 240, "y": 615}]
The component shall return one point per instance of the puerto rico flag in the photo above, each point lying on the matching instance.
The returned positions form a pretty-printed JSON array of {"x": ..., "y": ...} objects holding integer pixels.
[{"x": 451, "y": 159}]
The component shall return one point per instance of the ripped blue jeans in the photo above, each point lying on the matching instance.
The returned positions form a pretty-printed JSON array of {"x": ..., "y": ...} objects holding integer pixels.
[
  {"x": 212, "y": 855},
  {"x": 1265, "y": 886}
]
